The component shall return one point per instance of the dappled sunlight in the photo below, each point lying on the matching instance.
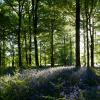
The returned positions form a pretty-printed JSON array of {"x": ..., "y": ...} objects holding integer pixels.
[{"x": 49, "y": 49}]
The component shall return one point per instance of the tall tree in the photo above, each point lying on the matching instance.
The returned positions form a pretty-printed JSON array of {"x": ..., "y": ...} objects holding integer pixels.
[
  {"x": 0, "y": 55},
  {"x": 51, "y": 43},
  {"x": 35, "y": 18},
  {"x": 19, "y": 33},
  {"x": 78, "y": 33},
  {"x": 30, "y": 39},
  {"x": 92, "y": 46}
]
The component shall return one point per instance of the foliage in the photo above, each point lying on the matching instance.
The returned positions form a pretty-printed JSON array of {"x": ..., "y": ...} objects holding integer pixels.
[
  {"x": 48, "y": 84},
  {"x": 41, "y": 34}
]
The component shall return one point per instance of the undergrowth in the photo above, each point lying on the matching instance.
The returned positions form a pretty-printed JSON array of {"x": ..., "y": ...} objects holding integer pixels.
[{"x": 49, "y": 84}]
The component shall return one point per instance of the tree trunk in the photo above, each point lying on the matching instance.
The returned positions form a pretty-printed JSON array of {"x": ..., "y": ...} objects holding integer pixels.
[
  {"x": 19, "y": 33},
  {"x": 36, "y": 51},
  {"x": 64, "y": 50},
  {"x": 30, "y": 42},
  {"x": 84, "y": 49},
  {"x": 92, "y": 46},
  {"x": 13, "y": 54},
  {"x": 40, "y": 53},
  {"x": 34, "y": 11},
  {"x": 0, "y": 55},
  {"x": 52, "y": 47},
  {"x": 78, "y": 34},
  {"x": 87, "y": 41},
  {"x": 26, "y": 48},
  {"x": 45, "y": 56},
  {"x": 84, "y": 36},
  {"x": 30, "y": 34},
  {"x": 70, "y": 51}
]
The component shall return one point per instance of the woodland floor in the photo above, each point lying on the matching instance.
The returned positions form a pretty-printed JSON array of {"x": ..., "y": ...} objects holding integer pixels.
[{"x": 55, "y": 84}]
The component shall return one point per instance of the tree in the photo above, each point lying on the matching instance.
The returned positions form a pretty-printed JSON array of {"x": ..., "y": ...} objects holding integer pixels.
[
  {"x": 78, "y": 33},
  {"x": 89, "y": 7},
  {"x": 35, "y": 18},
  {"x": 49, "y": 26}
]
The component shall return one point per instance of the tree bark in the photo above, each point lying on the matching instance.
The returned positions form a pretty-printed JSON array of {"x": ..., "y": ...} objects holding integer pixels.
[
  {"x": 52, "y": 47},
  {"x": 0, "y": 55},
  {"x": 40, "y": 52},
  {"x": 64, "y": 50},
  {"x": 30, "y": 42},
  {"x": 19, "y": 33},
  {"x": 70, "y": 51},
  {"x": 13, "y": 56},
  {"x": 84, "y": 36},
  {"x": 35, "y": 18},
  {"x": 26, "y": 48},
  {"x": 88, "y": 58},
  {"x": 92, "y": 46},
  {"x": 45, "y": 56},
  {"x": 78, "y": 34}
]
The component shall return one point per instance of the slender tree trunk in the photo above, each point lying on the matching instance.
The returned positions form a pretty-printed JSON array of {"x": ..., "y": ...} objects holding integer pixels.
[
  {"x": 84, "y": 31},
  {"x": 51, "y": 33},
  {"x": 78, "y": 34},
  {"x": 92, "y": 50},
  {"x": 64, "y": 50},
  {"x": 70, "y": 51},
  {"x": 52, "y": 47},
  {"x": 87, "y": 41},
  {"x": 30, "y": 42},
  {"x": 30, "y": 50},
  {"x": 90, "y": 31},
  {"x": 19, "y": 36},
  {"x": 45, "y": 55},
  {"x": 30, "y": 33},
  {"x": 92, "y": 46},
  {"x": 84, "y": 49},
  {"x": 36, "y": 51},
  {"x": 35, "y": 34},
  {"x": 34, "y": 11},
  {"x": 92, "y": 40},
  {"x": 26, "y": 48},
  {"x": 0, "y": 55},
  {"x": 40, "y": 53},
  {"x": 13, "y": 55}
]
